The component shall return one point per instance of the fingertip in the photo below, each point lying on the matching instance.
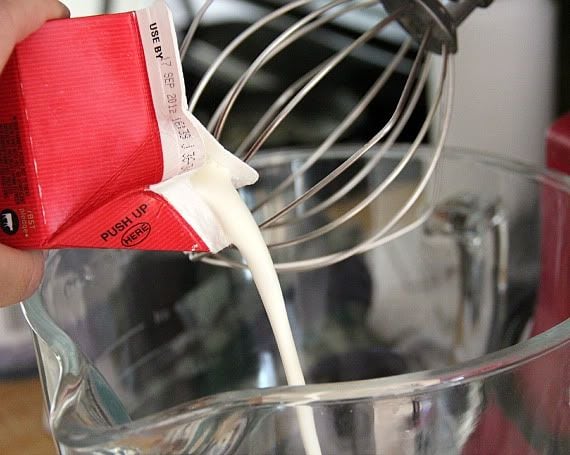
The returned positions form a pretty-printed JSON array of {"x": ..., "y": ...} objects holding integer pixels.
[
  {"x": 21, "y": 273},
  {"x": 56, "y": 10},
  {"x": 36, "y": 272},
  {"x": 64, "y": 11}
]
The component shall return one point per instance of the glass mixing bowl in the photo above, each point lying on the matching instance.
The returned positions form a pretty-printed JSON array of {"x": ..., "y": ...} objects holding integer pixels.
[{"x": 452, "y": 338}]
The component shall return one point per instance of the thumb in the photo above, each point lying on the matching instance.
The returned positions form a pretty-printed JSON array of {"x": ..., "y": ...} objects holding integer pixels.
[
  {"x": 19, "y": 18},
  {"x": 20, "y": 274}
]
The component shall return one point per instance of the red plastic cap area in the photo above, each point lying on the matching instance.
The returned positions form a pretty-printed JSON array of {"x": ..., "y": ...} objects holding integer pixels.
[{"x": 78, "y": 132}]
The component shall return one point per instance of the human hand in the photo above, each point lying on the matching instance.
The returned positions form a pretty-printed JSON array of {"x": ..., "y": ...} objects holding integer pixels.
[{"x": 21, "y": 271}]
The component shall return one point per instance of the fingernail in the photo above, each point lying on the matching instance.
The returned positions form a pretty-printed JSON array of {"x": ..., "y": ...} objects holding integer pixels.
[{"x": 67, "y": 12}]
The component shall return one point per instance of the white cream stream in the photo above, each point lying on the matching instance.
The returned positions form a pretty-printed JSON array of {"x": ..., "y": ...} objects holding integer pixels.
[{"x": 213, "y": 183}]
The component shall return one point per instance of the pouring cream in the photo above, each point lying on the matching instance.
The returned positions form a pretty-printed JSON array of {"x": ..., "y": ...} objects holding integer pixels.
[{"x": 213, "y": 183}]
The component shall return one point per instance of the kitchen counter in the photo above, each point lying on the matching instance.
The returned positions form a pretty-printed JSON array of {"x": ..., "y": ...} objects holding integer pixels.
[{"x": 22, "y": 429}]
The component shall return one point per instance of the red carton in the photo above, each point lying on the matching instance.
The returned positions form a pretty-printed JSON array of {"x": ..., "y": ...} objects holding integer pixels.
[{"x": 89, "y": 108}]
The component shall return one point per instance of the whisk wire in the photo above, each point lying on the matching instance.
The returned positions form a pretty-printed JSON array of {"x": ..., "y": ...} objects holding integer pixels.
[
  {"x": 295, "y": 22},
  {"x": 363, "y": 150},
  {"x": 217, "y": 121},
  {"x": 185, "y": 45},
  {"x": 249, "y": 31},
  {"x": 340, "y": 130},
  {"x": 340, "y": 220},
  {"x": 383, "y": 236},
  {"x": 275, "y": 108},
  {"x": 373, "y": 162},
  {"x": 447, "y": 68},
  {"x": 326, "y": 69}
]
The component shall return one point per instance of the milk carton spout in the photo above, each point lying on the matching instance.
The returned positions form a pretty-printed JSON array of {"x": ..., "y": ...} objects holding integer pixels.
[{"x": 241, "y": 174}]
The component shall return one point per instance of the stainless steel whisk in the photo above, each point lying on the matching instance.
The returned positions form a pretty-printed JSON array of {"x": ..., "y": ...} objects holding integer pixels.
[{"x": 431, "y": 25}]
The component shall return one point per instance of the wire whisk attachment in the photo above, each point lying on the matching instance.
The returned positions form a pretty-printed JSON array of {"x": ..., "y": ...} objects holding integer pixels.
[{"x": 304, "y": 197}]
